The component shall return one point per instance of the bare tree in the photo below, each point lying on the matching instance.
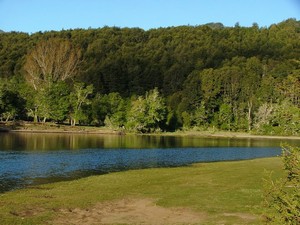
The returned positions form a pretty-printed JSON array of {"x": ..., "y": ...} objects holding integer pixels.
[{"x": 51, "y": 61}]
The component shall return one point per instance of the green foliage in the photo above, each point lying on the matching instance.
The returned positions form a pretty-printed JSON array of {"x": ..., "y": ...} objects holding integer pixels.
[
  {"x": 198, "y": 69},
  {"x": 186, "y": 120},
  {"x": 11, "y": 103},
  {"x": 136, "y": 115},
  {"x": 58, "y": 99},
  {"x": 225, "y": 116},
  {"x": 282, "y": 197},
  {"x": 32, "y": 101},
  {"x": 116, "y": 114},
  {"x": 79, "y": 98},
  {"x": 109, "y": 110},
  {"x": 13, "y": 47},
  {"x": 200, "y": 116},
  {"x": 99, "y": 110},
  {"x": 281, "y": 119},
  {"x": 156, "y": 108},
  {"x": 50, "y": 103},
  {"x": 290, "y": 88},
  {"x": 147, "y": 113}
]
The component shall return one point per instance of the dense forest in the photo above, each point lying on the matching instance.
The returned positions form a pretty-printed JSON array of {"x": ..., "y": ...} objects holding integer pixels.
[{"x": 187, "y": 77}]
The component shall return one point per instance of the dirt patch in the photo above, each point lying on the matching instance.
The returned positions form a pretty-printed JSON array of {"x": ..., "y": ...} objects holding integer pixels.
[
  {"x": 244, "y": 216},
  {"x": 129, "y": 211},
  {"x": 27, "y": 212}
]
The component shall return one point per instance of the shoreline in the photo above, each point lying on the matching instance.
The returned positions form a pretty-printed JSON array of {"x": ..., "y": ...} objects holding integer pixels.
[
  {"x": 57, "y": 131},
  {"x": 55, "y": 128},
  {"x": 52, "y": 128},
  {"x": 230, "y": 134}
]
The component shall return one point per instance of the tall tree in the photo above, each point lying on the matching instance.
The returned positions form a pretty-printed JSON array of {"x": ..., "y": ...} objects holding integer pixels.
[
  {"x": 79, "y": 98},
  {"x": 50, "y": 61},
  {"x": 250, "y": 85},
  {"x": 290, "y": 88}
]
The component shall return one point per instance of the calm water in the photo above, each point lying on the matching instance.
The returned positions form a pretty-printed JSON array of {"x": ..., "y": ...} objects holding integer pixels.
[{"x": 30, "y": 159}]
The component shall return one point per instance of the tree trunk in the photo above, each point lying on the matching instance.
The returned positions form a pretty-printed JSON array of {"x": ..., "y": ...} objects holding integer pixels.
[
  {"x": 35, "y": 118},
  {"x": 250, "y": 105},
  {"x": 73, "y": 122},
  {"x": 7, "y": 119}
]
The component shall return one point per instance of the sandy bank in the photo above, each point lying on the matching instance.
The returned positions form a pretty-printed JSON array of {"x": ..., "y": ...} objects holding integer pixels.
[
  {"x": 55, "y": 128},
  {"x": 229, "y": 134}
]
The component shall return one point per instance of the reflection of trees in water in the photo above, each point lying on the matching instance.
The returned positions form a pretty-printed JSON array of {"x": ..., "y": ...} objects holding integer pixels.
[{"x": 59, "y": 141}]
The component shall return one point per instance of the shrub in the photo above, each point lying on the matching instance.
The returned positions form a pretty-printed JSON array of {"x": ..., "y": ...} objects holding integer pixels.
[{"x": 282, "y": 197}]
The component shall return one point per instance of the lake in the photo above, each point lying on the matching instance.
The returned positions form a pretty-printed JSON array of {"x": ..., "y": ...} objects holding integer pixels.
[{"x": 33, "y": 158}]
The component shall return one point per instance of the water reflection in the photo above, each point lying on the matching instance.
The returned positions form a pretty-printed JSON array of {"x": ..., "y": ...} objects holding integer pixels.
[{"x": 58, "y": 141}]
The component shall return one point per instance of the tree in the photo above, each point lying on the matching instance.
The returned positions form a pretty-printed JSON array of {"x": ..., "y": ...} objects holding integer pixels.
[
  {"x": 263, "y": 118},
  {"x": 79, "y": 98},
  {"x": 250, "y": 85},
  {"x": 2, "y": 90},
  {"x": 156, "y": 109},
  {"x": 109, "y": 110},
  {"x": 244, "y": 67},
  {"x": 286, "y": 119},
  {"x": 186, "y": 120},
  {"x": 11, "y": 103},
  {"x": 290, "y": 88},
  {"x": 136, "y": 116},
  {"x": 59, "y": 101},
  {"x": 200, "y": 116},
  {"x": 51, "y": 61},
  {"x": 225, "y": 116},
  {"x": 192, "y": 94},
  {"x": 13, "y": 47},
  {"x": 116, "y": 117},
  {"x": 282, "y": 197},
  {"x": 266, "y": 92},
  {"x": 211, "y": 89},
  {"x": 147, "y": 113},
  {"x": 280, "y": 119}
]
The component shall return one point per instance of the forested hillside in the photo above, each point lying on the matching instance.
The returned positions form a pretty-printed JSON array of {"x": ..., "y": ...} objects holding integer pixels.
[{"x": 200, "y": 77}]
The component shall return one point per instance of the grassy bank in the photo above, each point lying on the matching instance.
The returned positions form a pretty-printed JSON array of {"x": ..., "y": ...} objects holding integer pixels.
[{"x": 219, "y": 193}]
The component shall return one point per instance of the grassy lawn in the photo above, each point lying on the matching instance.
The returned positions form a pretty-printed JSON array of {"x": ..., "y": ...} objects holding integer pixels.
[{"x": 227, "y": 192}]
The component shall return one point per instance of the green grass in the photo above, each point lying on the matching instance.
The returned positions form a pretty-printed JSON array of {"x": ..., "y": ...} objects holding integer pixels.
[{"x": 212, "y": 188}]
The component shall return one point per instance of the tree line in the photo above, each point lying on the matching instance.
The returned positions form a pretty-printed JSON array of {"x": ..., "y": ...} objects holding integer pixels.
[{"x": 186, "y": 77}]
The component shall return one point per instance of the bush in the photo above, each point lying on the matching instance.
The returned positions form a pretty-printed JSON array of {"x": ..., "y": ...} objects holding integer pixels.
[{"x": 282, "y": 197}]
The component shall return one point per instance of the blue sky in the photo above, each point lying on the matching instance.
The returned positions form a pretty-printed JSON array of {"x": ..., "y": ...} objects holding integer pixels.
[{"x": 44, "y": 15}]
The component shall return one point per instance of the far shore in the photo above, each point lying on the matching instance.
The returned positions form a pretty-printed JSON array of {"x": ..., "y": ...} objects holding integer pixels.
[
  {"x": 67, "y": 129},
  {"x": 229, "y": 134}
]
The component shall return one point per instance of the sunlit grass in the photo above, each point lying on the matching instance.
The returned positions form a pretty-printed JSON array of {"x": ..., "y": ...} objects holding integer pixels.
[{"x": 220, "y": 189}]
